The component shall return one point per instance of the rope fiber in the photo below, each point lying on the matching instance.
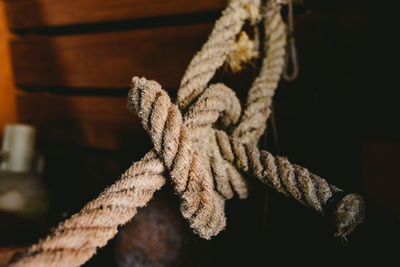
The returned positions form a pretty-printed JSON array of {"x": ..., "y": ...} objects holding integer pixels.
[{"x": 205, "y": 144}]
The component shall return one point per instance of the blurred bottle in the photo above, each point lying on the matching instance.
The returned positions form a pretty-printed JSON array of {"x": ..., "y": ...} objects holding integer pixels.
[{"x": 21, "y": 190}]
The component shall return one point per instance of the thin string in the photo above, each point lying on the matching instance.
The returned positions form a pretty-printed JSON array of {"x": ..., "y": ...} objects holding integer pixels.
[{"x": 291, "y": 59}]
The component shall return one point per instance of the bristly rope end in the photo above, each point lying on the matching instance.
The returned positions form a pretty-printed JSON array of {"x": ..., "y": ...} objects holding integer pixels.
[
  {"x": 134, "y": 94},
  {"x": 138, "y": 86},
  {"x": 244, "y": 52},
  {"x": 254, "y": 12},
  {"x": 349, "y": 213}
]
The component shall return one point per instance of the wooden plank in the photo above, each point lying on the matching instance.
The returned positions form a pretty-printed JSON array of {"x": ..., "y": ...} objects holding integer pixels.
[
  {"x": 39, "y": 13},
  {"x": 93, "y": 121},
  {"x": 107, "y": 60},
  {"x": 7, "y": 102}
]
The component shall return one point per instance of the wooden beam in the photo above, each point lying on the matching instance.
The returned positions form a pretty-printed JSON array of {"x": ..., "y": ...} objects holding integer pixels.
[
  {"x": 93, "y": 121},
  {"x": 107, "y": 60},
  {"x": 7, "y": 97},
  {"x": 41, "y": 13}
]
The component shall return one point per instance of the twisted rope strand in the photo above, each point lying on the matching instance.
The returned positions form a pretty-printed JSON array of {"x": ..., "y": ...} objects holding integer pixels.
[
  {"x": 253, "y": 121},
  {"x": 162, "y": 119},
  {"x": 293, "y": 181},
  {"x": 214, "y": 52},
  {"x": 75, "y": 240},
  {"x": 216, "y": 102}
]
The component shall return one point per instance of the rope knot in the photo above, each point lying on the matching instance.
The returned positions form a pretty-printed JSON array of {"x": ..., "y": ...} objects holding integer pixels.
[
  {"x": 213, "y": 140},
  {"x": 171, "y": 139},
  {"x": 215, "y": 143}
]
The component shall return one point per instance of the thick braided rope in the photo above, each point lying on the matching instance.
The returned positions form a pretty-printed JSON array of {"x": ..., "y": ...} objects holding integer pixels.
[
  {"x": 293, "y": 181},
  {"x": 88, "y": 238},
  {"x": 217, "y": 102},
  {"x": 214, "y": 52},
  {"x": 277, "y": 172},
  {"x": 253, "y": 121},
  {"x": 163, "y": 121},
  {"x": 76, "y": 240}
]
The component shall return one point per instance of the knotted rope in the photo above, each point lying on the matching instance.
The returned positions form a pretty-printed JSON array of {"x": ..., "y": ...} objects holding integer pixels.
[{"x": 213, "y": 142}]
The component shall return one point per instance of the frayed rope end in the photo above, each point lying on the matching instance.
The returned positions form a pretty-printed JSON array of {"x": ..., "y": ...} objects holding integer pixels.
[
  {"x": 244, "y": 52},
  {"x": 349, "y": 213}
]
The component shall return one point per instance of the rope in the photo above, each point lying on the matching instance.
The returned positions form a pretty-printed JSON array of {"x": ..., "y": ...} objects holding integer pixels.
[
  {"x": 253, "y": 122},
  {"x": 293, "y": 181},
  {"x": 291, "y": 55},
  {"x": 163, "y": 121},
  {"x": 214, "y": 52},
  {"x": 75, "y": 240},
  {"x": 202, "y": 141}
]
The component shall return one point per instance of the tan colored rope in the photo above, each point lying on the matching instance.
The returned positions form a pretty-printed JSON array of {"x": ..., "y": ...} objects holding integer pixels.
[
  {"x": 277, "y": 172},
  {"x": 214, "y": 52},
  {"x": 163, "y": 121},
  {"x": 213, "y": 139},
  {"x": 253, "y": 122},
  {"x": 73, "y": 246},
  {"x": 293, "y": 181},
  {"x": 76, "y": 240},
  {"x": 215, "y": 101}
]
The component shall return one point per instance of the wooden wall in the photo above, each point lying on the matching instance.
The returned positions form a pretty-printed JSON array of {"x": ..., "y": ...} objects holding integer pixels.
[
  {"x": 73, "y": 61},
  {"x": 7, "y": 93}
]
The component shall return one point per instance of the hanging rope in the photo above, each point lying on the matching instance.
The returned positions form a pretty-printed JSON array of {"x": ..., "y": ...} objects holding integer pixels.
[
  {"x": 204, "y": 140},
  {"x": 291, "y": 58}
]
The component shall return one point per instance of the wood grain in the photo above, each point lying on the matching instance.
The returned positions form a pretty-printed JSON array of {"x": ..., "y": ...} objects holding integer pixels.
[
  {"x": 93, "y": 121},
  {"x": 107, "y": 60},
  {"x": 39, "y": 13},
  {"x": 7, "y": 101},
  {"x": 110, "y": 59}
]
